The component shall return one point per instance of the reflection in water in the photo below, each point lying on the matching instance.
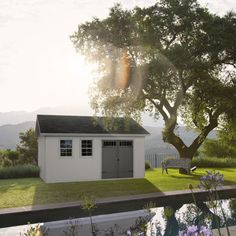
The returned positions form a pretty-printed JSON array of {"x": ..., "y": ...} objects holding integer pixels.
[
  {"x": 232, "y": 208},
  {"x": 173, "y": 219}
]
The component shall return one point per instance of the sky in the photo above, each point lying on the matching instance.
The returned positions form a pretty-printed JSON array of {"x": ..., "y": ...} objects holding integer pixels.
[{"x": 39, "y": 66}]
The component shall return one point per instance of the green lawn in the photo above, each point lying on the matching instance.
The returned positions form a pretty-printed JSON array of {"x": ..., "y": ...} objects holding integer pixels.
[{"x": 32, "y": 191}]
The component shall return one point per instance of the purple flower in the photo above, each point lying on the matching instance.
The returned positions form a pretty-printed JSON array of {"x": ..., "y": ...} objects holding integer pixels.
[
  {"x": 211, "y": 180},
  {"x": 205, "y": 231},
  {"x": 196, "y": 231}
]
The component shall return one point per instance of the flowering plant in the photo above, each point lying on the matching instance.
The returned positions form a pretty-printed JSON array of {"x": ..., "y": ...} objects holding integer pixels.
[
  {"x": 196, "y": 231},
  {"x": 211, "y": 180}
]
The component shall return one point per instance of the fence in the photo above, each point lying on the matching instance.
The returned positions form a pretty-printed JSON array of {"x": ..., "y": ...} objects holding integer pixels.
[{"x": 155, "y": 159}]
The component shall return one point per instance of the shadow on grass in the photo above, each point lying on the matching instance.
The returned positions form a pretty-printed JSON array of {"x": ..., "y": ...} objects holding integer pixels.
[
  {"x": 196, "y": 176},
  {"x": 189, "y": 177},
  {"x": 21, "y": 184},
  {"x": 75, "y": 191},
  {"x": 222, "y": 169}
]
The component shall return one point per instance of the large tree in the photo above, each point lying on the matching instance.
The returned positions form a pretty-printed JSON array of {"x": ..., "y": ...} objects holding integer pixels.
[{"x": 173, "y": 59}]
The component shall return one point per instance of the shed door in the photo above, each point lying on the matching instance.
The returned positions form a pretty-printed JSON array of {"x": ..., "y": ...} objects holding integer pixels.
[{"x": 117, "y": 159}]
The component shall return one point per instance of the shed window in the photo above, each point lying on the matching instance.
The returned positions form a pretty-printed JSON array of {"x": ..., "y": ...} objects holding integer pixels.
[
  {"x": 66, "y": 148},
  {"x": 126, "y": 143},
  {"x": 109, "y": 143},
  {"x": 86, "y": 147}
]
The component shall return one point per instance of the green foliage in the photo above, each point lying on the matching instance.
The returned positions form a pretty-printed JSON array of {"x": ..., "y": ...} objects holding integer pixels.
[
  {"x": 213, "y": 162},
  {"x": 2, "y": 153},
  {"x": 215, "y": 148},
  {"x": 227, "y": 136},
  {"x": 224, "y": 145},
  {"x": 6, "y": 162},
  {"x": 170, "y": 59},
  {"x": 88, "y": 203},
  {"x": 9, "y": 157},
  {"x": 35, "y": 231},
  {"x": 19, "y": 171},
  {"x": 28, "y": 147},
  {"x": 168, "y": 212},
  {"x": 12, "y": 155},
  {"x": 147, "y": 165}
]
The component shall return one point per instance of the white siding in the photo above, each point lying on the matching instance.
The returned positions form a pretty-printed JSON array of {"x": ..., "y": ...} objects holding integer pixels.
[
  {"x": 78, "y": 168},
  {"x": 41, "y": 157},
  {"x": 139, "y": 158}
]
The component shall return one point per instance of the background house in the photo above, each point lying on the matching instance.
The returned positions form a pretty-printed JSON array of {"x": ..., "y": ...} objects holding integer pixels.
[{"x": 79, "y": 148}]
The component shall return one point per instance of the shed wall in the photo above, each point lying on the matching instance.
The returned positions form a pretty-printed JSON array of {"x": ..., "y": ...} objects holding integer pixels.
[
  {"x": 41, "y": 157},
  {"x": 79, "y": 168}
]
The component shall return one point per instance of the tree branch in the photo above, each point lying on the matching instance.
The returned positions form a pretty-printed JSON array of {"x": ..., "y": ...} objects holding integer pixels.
[
  {"x": 159, "y": 108},
  {"x": 213, "y": 123},
  {"x": 169, "y": 42}
]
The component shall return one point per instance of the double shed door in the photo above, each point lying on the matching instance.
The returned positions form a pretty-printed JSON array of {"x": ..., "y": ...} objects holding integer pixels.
[{"x": 117, "y": 159}]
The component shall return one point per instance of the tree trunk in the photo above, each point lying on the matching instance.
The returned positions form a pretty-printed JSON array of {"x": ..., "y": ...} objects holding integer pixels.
[{"x": 185, "y": 151}]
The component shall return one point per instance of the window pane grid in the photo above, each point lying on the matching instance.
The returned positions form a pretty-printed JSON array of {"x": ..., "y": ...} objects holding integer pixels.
[
  {"x": 86, "y": 148},
  {"x": 109, "y": 143},
  {"x": 126, "y": 143},
  {"x": 66, "y": 147}
]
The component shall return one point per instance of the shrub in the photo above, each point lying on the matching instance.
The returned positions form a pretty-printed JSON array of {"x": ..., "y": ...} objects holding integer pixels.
[
  {"x": 19, "y": 171},
  {"x": 214, "y": 162},
  {"x": 13, "y": 156},
  {"x": 6, "y": 162},
  {"x": 9, "y": 157},
  {"x": 147, "y": 165}
]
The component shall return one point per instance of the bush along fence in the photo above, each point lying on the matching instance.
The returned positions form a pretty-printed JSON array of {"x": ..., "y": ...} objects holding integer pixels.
[
  {"x": 155, "y": 159},
  {"x": 19, "y": 171}
]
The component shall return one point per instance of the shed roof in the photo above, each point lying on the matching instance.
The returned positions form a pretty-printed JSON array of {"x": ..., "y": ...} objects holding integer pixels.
[{"x": 87, "y": 125}]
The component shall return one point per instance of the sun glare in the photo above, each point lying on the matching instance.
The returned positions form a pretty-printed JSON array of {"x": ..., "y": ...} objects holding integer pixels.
[
  {"x": 76, "y": 81},
  {"x": 82, "y": 73}
]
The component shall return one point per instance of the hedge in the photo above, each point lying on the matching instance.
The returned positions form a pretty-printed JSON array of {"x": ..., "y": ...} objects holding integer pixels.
[{"x": 19, "y": 171}]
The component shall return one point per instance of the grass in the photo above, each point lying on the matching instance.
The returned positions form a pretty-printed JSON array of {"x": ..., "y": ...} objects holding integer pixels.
[{"x": 33, "y": 191}]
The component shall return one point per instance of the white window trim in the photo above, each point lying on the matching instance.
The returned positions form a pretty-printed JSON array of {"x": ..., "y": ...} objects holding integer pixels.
[
  {"x": 80, "y": 148},
  {"x": 59, "y": 149}
]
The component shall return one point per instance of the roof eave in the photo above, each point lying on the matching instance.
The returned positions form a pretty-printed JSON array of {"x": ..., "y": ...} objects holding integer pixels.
[{"x": 91, "y": 135}]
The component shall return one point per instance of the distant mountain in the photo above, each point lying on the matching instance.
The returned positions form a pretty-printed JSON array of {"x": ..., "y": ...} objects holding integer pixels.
[
  {"x": 16, "y": 117},
  {"x": 9, "y": 134},
  {"x": 155, "y": 144}
]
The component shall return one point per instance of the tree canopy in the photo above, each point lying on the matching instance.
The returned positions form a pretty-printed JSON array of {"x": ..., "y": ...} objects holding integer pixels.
[{"x": 174, "y": 59}]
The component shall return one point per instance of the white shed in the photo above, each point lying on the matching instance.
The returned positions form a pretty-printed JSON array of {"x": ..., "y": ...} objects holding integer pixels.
[{"x": 82, "y": 148}]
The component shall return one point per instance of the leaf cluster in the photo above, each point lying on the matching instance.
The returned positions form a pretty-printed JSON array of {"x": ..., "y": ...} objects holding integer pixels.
[{"x": 28, "y": 147}]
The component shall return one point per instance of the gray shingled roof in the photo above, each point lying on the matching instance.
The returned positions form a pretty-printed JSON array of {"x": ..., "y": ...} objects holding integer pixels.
[{"x": 87, "y": 125}]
